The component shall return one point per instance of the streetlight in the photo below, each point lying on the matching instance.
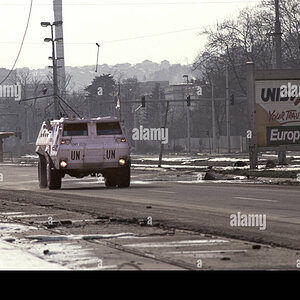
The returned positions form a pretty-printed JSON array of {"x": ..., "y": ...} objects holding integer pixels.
[
  {"x": 213, "y": 114},
  {"x": 54, "y": 63},
  {"x": 98, "y": 46}
]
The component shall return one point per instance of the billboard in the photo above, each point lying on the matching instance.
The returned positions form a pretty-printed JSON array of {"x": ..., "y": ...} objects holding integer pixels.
[{"x": 277, "y": 105}]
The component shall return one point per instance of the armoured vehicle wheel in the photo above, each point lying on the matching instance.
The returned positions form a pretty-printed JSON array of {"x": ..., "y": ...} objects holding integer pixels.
[
  {"x": 53, "y": 178},
  {"x": 42, "y": 172},
  {"x": 124, "y": 177}
]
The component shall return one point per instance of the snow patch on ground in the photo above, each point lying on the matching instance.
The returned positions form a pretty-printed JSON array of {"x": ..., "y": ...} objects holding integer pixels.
[
  {"x": 15, "y": 258},
  {"x": 8, "y": 228}
]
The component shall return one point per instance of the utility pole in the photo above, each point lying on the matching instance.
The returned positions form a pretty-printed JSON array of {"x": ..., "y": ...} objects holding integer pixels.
[
  {"x": 277, "y": 37},
  {"x": 134, "y": 125},
  {"x": 119, "y": 99},
  {"x": 278, "y": 62},
  {"x": 227, "y": 111},
  {"x": 60, "y": 70},
  {"x": 161, "y": 143},
  {"x": 213, "y": 117},
  {"x": 54, "y": 65},
  {"x": 55, "y": 86},
  {"x": 252, "y": 114},
  {"x": 26, "y": 125}
]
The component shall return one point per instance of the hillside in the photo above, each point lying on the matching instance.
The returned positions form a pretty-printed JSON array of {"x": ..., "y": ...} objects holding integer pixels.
[{"x": 82, "y": 76}]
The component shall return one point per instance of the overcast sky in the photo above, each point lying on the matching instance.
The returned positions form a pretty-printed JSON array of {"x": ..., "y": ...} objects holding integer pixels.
[{"x": 128, "y": 31}]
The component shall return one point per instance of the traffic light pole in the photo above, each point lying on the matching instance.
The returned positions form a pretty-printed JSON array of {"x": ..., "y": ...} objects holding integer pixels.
[
  {"x": 213, "y": 116},
  {"x": 227, "y": 112},
  {"x": 161, "y": 144},
  {"x": 188, "y": 128}
]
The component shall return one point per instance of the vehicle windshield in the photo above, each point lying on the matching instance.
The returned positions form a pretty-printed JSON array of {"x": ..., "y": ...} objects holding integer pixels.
[
  {"x": 108, "y": 128},
  {"x": 75, "y": 129}
]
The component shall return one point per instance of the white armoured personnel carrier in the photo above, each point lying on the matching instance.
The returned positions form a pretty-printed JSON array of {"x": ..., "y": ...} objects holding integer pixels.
[{"x": 82, "y": 147}]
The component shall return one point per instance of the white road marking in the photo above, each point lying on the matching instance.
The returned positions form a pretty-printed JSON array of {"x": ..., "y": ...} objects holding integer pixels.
[
  {"x": 176, "y": 244},
  {"x": 158, "y": 191},
  {"x": 16, "y": 215},
  {"x": 11, "y": 213},
  {"x": 205, "y": 253},
  {"x": 43, "y": 238},
  {"x": 29, "y": 216},
  {"x": 107, "y": 267},
  {"x": 255, "y": 199}
]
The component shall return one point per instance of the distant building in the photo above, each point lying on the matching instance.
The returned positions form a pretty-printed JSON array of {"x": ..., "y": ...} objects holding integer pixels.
[
  {"x": 180, "y": 91},
  {"x": 147, "y": 87}
]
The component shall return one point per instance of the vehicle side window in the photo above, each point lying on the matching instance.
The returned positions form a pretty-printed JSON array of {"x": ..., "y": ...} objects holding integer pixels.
[
  {"x": 75, "y": 129},
  {"x": 108, "y": 128}
]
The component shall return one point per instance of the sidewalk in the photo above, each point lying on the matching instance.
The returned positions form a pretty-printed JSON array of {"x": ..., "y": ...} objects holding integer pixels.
[{"x": 13, "y": 258}]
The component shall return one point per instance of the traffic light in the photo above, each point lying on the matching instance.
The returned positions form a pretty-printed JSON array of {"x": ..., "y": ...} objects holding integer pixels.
[
  {"x": 231, "y": 99},
  {"x": 143, "y": 101},
  {"x": 44, "y": 90},
  {"x": 18, "y": 133},
  {"x": 188, "y": 100}
]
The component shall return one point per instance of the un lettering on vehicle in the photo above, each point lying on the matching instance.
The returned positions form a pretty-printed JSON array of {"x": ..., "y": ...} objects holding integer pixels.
[
  {"x": 110, "y": 154},
  {"x": 75, "y": 155}
]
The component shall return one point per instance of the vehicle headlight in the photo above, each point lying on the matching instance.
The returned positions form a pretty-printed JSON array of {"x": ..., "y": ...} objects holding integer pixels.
[
  {"x": 63, "y": 163},
  {"x": 65, "y": 142},
  {"x": 120, "y": 140},
  {"x": 122, "y": 161}
]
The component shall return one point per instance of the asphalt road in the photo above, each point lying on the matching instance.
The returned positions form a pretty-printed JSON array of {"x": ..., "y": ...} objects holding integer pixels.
[
  {"x": 199, "y": 205},
  {"x": 202, "y": 207}
]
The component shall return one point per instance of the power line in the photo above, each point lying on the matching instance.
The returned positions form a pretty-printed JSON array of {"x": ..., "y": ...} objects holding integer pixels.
[
  {"x": 140, "y": 3},
  {"x": 21, "y": 46},
  {"x": 124, "y": 39},
  {"x": 155, "y": 34},
  {"x": 68, "y": 106}
]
